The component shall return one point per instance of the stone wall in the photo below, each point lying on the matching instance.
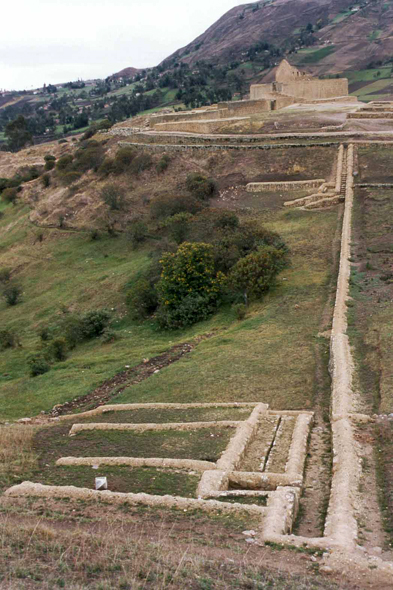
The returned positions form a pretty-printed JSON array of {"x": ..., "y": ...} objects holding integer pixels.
[
  {"x": 259, "y": 91},
  {"x": 315, "y": 89},
  {"x": 208, "y": 126}
]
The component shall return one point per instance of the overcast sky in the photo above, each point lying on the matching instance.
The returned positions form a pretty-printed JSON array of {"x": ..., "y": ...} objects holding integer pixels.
[{"x": 53, "y": 41}]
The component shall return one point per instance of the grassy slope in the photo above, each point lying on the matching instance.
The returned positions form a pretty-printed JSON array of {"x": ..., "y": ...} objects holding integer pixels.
[{"x": 243, "y": 360}]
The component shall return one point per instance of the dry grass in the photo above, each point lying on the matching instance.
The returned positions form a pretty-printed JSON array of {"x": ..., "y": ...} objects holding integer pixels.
[
  {"x": 38, "y": 555},
  {"x": 17, "y": 457}
]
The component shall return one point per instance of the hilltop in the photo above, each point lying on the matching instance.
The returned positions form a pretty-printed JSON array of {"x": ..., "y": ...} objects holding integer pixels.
[{"x": 344, "y": 34}]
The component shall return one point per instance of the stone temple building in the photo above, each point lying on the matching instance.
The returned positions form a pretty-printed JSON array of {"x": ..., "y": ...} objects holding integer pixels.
[
  {"x": 299, "y": 86},
  {"x": 290, "y": 87}
]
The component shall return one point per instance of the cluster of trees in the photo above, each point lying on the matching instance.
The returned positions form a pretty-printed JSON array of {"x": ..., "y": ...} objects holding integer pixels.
[{"x": 206, "y": 257}]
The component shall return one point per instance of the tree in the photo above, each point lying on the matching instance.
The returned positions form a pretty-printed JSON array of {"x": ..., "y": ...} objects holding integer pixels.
[
  {"x": 254, "y": 274},
  {"x": 18, "y": 134},
  {"x": 189, "y": 286}
]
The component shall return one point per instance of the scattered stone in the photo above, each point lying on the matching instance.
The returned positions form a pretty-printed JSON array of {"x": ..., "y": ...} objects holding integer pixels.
[
  {"x": 377, "y": 550},
  {"x": 24, "y": 420},
  {"x": 249, "y": 533},
  {"x": 326, "y": 569},
  {"x": 250, "y": 540}
]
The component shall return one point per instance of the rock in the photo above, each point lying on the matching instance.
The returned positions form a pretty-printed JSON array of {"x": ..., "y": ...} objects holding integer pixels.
[
  {"x": 326, "y": 569},
  {"x": 250, "y": 540},
  {"x": 377, "y": 550},
  {"x": 249, "y": 533},
  {"x": 24, "y": 420}
]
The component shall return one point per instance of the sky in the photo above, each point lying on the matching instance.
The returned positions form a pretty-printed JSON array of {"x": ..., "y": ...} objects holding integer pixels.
[{"x": 53, "y": 41}]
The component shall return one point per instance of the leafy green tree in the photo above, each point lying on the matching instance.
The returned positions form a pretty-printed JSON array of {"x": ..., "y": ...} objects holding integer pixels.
[
  {"x": 254, "y": 274},
  {"x": 18, "y": 134},
  {"x": 189, "y": 287}
]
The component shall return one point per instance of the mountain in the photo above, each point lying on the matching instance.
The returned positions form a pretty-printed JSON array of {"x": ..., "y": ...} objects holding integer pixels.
[
  {"x": 345, "y": 34},
  {"x": 126, "y": 73}
]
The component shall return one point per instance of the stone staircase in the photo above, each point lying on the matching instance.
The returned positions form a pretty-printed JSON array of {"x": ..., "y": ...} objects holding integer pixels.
[{"x": 329, "y": 194}]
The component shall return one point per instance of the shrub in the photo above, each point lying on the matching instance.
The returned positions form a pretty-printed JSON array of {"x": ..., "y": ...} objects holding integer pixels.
[
  {"x": 10, "y": 195},
  {"x": 44, "y": 333},
  {"x": 123, "y": 159},
  {"x": 64, "y": 163},
  {"x": 58, "y": 349},
  {"x": 200, "y": 186},
  {"x": 142, "y": 299},
  {"x": 76, "y": 328},
  {"x": 70, "y": 177},
  {"x": 50, "y": 164},
  {"x": 108, "y": 336},
  {"x": 8, "y": 339},
  {"x": 141, "y": 163},
  {"x": 137, "y": 233},
  {"x": 178, "y": 226},
  {"x": 193, "y": 308},
  {"x": 163, "y": 164},
  {"x": 5, "y": 275},
  {"x": 12, "y": 294},
  {"x": 38, "y": 365},
  {"x": 240, "y": 310},
  {"x": 88, "y": 157},
  {"x": 189, "y": 286},
  {"x": 227, "y": 220},
  {"x": 114, "y": 196},
  {"x": 167, "y": 205},
  {"x": 254, "y": 274},
  {"x": 107, "y": 167},
  {"x": 45, "y": 180},
  {"x": 62, "y": 141},
  {"x": 93, "y": 323}
]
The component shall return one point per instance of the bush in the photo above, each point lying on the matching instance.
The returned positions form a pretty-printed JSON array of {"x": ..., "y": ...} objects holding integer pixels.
[
  {"x": 76, "y": 328},
  {"x": 254, "y": 274},
  {"x": 64, "y": 163},
  {"x": 5, "y": 275},
  {"x": 200, "y": 186},
  {"x": 88, "y": 157},
  {"x": 12, "y": 294},
  {"x": 108, "y": 336},
  {"x": 178, "y": 226},
  {"x": 93, "y": 323},
  {"x": 193, "y": 308},
  {"x": 107, "y": 167},
  {"x": 38, "y": 365},
  {"x": 9, "y": 195},
  {"x": 163, "y": 164},
  {"x": 142, "y": 299},
  {"x": 70, "y": 177},
  {"x": 227, "y": 220},
  {"x": 240, "y": 310},
  {"x": 137, "y": 233},
  {"x": 189, "y": 286},
  {"x": 8, "y": 339},
  {"x": 114, "y": 196},
  {"x": 167, "y": 205},
  {"x": 123, "y": 159},
  {"x": 45, "y": 180},
  {"x": 58, "y": 349},
  {"x": 44, "y": 334},
  {"x": 141, "y": 163},
  {"x": 95, "y": 235}
]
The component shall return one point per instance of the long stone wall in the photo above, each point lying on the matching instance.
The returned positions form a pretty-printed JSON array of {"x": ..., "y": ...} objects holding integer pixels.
[{"x": 316, "y": 89}]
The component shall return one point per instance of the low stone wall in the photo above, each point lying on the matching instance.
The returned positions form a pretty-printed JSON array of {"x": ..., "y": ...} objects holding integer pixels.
[
  {"x": 258, "y": 187},
  {"x": 370, "y": 115},
  {"x": 155, "y": 147},
  {"x": 193, "y": 464},
  {"x": 208, "y": 126},
  {"x": 29, "y": 489}
]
